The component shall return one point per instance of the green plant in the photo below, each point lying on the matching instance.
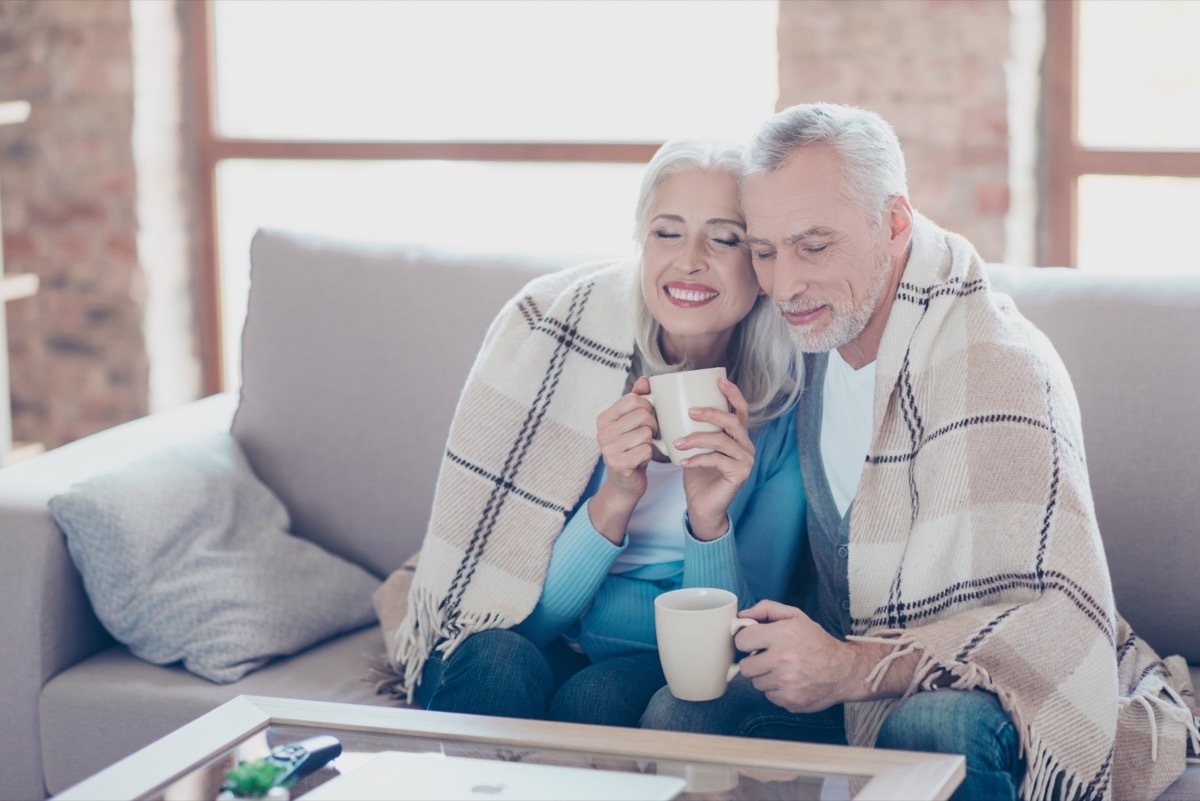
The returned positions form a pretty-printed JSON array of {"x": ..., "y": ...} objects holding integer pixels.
[{"x": 253, "y": 779}]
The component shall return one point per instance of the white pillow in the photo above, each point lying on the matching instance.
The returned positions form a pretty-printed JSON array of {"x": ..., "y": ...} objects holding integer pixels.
[{"x": 186, "y": 556}]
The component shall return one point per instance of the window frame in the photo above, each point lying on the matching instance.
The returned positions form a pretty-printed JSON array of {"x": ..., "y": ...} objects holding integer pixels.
[
  {"x": 1066, "y": 159},
  {"x": 210, "y": 149}
]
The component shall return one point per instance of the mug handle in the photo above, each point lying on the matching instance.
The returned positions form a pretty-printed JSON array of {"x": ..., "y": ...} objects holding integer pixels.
[
  {"x": 657, "y": 442},
  {"x": 736, "y": 625}
]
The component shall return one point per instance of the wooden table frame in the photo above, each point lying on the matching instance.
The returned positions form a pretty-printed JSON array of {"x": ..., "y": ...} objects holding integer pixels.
[{"x": 892, "y": 774}]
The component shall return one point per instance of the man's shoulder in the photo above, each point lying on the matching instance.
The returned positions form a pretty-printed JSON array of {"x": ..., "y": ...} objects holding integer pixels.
[{"x": 990, "y": 349}]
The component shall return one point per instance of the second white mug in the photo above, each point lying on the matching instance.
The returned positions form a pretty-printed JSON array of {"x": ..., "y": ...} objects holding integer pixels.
[{"x": 695, "y": 628}]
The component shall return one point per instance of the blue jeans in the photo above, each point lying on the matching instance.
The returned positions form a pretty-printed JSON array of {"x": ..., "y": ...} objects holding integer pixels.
[
  {"x": 968, "y": 722},
  {"x": 971, "y": 723},
  {"x": 743, "y": 712},
  {"x": 500, "y": 672}
]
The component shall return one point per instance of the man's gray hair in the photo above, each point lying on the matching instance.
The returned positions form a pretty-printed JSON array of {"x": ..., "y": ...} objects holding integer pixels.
[
  {"x": 763, "y": 362},
  {"x": 872, "y": 159}
]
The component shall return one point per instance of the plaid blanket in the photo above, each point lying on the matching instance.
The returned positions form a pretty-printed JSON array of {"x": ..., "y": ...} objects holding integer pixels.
[
  {"x": 974, "y": 542},
  {"x": 521, "y": 449}
]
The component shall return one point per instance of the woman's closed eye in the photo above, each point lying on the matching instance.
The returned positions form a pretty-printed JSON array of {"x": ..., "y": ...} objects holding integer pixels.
[
  {"x": 728, "y": 241},
  {"x": 661, "y": 234}
]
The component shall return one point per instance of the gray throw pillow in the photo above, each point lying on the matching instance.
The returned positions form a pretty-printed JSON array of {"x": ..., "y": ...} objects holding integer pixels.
[{"x": 186, "y": 556}]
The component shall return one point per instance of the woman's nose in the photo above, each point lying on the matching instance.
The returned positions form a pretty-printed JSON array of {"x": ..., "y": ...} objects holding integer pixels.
[{"x": 692, "y": 256}]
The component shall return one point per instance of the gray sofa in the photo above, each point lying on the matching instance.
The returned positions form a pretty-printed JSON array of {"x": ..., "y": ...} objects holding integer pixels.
[{"x": 353, "y": 356}]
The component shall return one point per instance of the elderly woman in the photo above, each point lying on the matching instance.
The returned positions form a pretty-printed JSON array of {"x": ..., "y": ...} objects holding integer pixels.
[{"x": 555, "y": 524}]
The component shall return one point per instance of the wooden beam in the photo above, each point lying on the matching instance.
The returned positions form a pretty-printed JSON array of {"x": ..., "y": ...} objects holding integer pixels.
[
  {"x": 199, "y": 79},
  {"x": 616, "y": 152},
  {"x": 1097, "y": 161},
  {"x": 1060, "y": 109}
]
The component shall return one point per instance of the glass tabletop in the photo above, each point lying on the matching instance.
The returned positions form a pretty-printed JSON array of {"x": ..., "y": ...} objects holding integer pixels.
[
  {"x": 191, "y": 763},
  {"x": 704, "y": 780}
]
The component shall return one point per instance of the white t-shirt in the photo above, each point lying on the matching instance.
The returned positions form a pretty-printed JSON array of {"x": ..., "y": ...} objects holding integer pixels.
[
  {"x": 846, "y": 426},
  {"x": 656, "y": 527}
]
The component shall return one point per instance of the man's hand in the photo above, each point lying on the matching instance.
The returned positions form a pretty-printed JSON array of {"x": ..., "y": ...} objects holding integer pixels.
[{"x": 801, "y": 668}]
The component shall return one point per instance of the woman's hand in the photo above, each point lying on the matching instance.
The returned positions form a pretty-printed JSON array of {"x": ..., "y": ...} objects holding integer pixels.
[
  {"x": 711, "y": 480},
  {"x": 624, "y": 431}
]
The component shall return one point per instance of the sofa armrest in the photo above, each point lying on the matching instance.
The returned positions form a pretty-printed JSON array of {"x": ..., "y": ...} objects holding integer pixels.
[{"x": 48, "y": 624}]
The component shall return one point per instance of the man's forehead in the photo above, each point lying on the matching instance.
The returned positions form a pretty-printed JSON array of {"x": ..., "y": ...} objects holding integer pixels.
[{"x": 785, "y": 217}]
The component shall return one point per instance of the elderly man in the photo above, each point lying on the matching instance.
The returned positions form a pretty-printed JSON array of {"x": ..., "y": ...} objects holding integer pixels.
[{"x": 956, "y": 598}]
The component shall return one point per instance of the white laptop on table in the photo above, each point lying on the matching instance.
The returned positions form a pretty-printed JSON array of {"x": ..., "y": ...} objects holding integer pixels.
[{"x": 399, "y": 776}]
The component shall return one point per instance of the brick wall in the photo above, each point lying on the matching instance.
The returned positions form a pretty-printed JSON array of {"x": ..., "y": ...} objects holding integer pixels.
[
  {"x": 935, "y": 69},
  {"x": 68, "y": 184}
]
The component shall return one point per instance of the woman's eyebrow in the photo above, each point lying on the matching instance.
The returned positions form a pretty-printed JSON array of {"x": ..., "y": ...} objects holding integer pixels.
[{"x": 719, "y": 220}]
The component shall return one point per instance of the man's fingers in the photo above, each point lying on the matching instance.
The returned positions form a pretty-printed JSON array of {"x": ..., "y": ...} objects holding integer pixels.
[{"x": 769, "y": 611}]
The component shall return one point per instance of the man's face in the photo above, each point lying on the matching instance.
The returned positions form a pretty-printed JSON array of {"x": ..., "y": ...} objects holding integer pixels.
[{"x": 815, "y": 252}]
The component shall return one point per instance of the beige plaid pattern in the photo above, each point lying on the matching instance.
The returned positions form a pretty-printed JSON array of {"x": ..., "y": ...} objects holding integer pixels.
[
  {"x": 974, "y": 541},
  {"x": 521, "y": 449}
]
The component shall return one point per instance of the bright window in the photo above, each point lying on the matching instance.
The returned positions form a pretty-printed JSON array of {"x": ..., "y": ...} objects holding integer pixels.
[
  {"x": 1124, "y": 135},
  {"x": 497, "y": 125}
]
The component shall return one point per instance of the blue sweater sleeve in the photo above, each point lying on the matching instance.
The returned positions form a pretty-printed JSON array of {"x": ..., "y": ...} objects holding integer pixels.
[
  {"x": 579, "y": 563},
  {"x": 755, "y": 558}
]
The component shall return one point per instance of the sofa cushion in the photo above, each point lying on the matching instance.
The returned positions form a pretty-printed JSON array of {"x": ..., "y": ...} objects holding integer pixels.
[
  {"x": 186, "y": 555},
  {"x": 134, "y": 703},
  {"x": 353, "y": 358}
]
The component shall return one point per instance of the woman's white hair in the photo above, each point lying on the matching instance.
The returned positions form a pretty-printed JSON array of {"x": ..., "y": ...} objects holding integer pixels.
[
  {"x": 762, "y": 360},
  {"x": 872, "y": 159}
]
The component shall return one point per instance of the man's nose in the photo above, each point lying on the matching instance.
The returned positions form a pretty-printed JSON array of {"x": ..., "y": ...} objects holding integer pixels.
[{"x": 780, "y": 280}]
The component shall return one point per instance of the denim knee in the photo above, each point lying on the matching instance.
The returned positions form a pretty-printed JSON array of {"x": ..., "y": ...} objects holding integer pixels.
[
  {"x": 743, "y": 711},
  {"x": 493, "y": 672},
  {"x": 968, "y": 722},
  {"x": 666, "y": 712},
  {"x": 612, "y": 692}
]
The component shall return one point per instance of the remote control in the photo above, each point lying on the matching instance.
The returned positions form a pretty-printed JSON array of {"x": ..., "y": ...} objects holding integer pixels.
[{"x": 302, "y": 758}]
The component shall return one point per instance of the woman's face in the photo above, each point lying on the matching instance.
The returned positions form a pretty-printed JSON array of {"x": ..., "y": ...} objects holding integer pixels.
[{"x": 696, "y": 273}]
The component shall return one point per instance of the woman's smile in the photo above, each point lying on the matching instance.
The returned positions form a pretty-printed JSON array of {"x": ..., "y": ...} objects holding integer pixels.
[{"x": 688, "y": 295}]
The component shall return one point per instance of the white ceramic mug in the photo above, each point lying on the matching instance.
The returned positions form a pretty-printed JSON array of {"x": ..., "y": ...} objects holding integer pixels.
[
  {"x": 695, "y": 628},
  {"x": 671, "y": 395}
]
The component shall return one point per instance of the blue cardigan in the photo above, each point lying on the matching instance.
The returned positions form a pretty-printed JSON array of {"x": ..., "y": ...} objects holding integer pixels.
[{"x": 613, "y": 614}]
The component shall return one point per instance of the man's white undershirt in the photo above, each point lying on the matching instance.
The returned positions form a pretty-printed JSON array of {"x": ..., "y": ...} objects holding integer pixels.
[{"x": 846, "y": 426}]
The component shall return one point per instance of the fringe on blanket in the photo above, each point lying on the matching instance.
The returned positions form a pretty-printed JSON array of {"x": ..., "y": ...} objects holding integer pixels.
[
  {"x": 414, "y": 643},
  {"x": 1044, "y": 776},
  {"x": 1173, "y": 708}
]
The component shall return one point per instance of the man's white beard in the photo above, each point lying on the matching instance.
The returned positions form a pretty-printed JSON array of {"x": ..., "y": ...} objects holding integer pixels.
[{"x": 846, "y": 321}]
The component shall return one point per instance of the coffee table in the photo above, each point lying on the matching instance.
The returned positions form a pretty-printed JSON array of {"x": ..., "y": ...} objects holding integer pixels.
[{"x": 190, "y": 763}]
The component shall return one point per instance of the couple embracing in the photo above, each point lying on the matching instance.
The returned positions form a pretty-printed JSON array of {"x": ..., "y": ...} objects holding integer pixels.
[{"x": 896, "y": 488}]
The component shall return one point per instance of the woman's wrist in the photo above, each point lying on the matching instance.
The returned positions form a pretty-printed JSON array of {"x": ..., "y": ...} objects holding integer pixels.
[
  {"x": 610, "y": 510},
  {"x": 707, "y": 528}
]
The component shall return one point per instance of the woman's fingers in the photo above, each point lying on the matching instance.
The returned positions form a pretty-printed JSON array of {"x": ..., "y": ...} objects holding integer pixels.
[
  {"x": 733, "y": 439},
  {"x": 629, "y": 413},
  {"x": 737, "y": 401}
]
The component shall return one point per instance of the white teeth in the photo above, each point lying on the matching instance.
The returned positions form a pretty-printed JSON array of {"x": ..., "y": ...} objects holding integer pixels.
[{"x": 690, "y": 294}]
